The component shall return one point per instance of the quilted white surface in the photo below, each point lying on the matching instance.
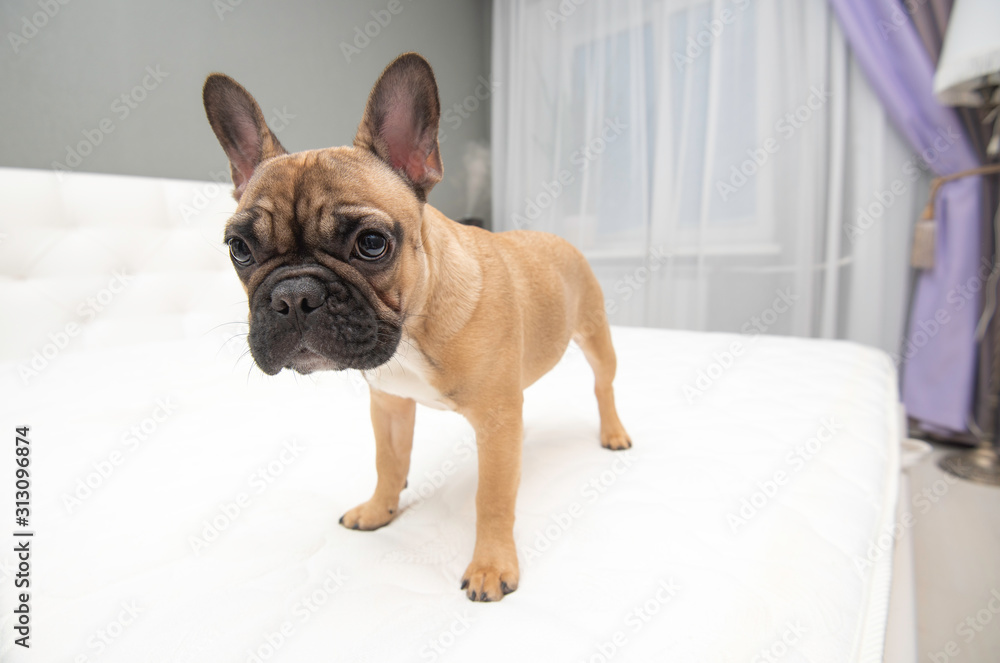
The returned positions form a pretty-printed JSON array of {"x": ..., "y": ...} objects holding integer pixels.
[
  {"x": 625, "y": 556},
  {"x": 93, "y": 261},
  {"x": 185, "y": 507}
]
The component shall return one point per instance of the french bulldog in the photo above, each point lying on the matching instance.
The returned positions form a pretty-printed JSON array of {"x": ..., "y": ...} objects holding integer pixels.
[{"x": 346, "y": 265}]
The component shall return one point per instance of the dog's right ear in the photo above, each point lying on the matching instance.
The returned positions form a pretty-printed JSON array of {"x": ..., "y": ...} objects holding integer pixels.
[
  {"x": 401, "y": 121},
  {"x": 240, "y": 127}
]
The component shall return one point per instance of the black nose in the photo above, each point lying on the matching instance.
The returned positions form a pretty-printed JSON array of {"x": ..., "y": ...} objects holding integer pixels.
[{"x": 298, "y": 296}]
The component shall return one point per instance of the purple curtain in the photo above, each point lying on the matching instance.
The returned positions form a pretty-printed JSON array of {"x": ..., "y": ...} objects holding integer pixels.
[{"x": 939, "y": 349}]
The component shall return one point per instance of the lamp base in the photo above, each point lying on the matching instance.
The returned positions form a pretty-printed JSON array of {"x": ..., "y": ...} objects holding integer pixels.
[{"x": 980, "y": 465}]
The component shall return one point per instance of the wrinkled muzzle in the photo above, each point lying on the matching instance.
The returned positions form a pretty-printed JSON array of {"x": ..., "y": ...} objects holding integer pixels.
[{"x": 308, "y": 322}]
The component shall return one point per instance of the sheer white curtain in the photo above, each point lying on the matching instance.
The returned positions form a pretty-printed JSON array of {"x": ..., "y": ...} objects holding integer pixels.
[{"x": 711, "y": 158}]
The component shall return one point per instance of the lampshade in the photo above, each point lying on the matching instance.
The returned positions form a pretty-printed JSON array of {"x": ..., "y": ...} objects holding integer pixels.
[{"x": 970, "y": 56}]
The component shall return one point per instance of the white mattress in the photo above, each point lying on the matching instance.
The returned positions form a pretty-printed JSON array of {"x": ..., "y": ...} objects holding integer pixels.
[{"x": 601, "y": 534}]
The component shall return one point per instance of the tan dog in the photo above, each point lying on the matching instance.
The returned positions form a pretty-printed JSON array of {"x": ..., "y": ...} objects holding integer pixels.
[{"x": 346, "y": 266}]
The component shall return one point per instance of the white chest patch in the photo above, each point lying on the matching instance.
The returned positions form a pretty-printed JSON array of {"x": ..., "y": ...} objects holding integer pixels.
[{"x": 405, "y": 375}]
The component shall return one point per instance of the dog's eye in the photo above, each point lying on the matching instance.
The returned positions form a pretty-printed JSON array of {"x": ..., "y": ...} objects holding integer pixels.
[
  {"x": 240, "y": 252},
  {"x": 371, "y": 245}
]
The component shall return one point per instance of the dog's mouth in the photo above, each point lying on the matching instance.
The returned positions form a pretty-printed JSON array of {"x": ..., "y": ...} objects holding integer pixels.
[
  {"x": 303, "y": 360},
  {"x": 306, "y": 324}
]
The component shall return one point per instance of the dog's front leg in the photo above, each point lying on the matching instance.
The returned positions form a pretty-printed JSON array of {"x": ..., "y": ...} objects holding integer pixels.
[
  {"x": 392, "y": 420},
  {"x": 493, "y": 571}
]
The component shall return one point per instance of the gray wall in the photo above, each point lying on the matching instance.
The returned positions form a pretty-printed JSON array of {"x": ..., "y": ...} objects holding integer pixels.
[{"x": 62, "y": 82}]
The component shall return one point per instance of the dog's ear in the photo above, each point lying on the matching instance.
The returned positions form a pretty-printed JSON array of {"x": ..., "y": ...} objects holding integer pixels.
[
  {"x": 240, "y": 127},
  {"x": 401, "y": 120}
]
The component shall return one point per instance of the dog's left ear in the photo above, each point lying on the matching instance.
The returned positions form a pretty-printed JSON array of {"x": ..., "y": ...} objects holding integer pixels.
[
  {"x": 240, "y": 127},
  {"x": 401, "y": 121}
]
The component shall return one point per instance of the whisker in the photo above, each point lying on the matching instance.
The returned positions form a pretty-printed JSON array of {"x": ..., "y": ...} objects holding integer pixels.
[
  {"x": 223, "y": 324},
  {"x": 240, "y": 358},
  {"x": 227, "y": 342}
]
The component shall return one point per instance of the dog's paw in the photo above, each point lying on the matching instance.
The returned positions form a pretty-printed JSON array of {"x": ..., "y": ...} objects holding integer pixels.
[
  {"x": 615, "y": 440},
  {"x": 368, "y": 516},
  {"x": 490, "y": 580}
]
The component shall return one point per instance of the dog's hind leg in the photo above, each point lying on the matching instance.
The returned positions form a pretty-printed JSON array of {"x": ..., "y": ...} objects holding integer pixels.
[{"x": 593, "y": 336}]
